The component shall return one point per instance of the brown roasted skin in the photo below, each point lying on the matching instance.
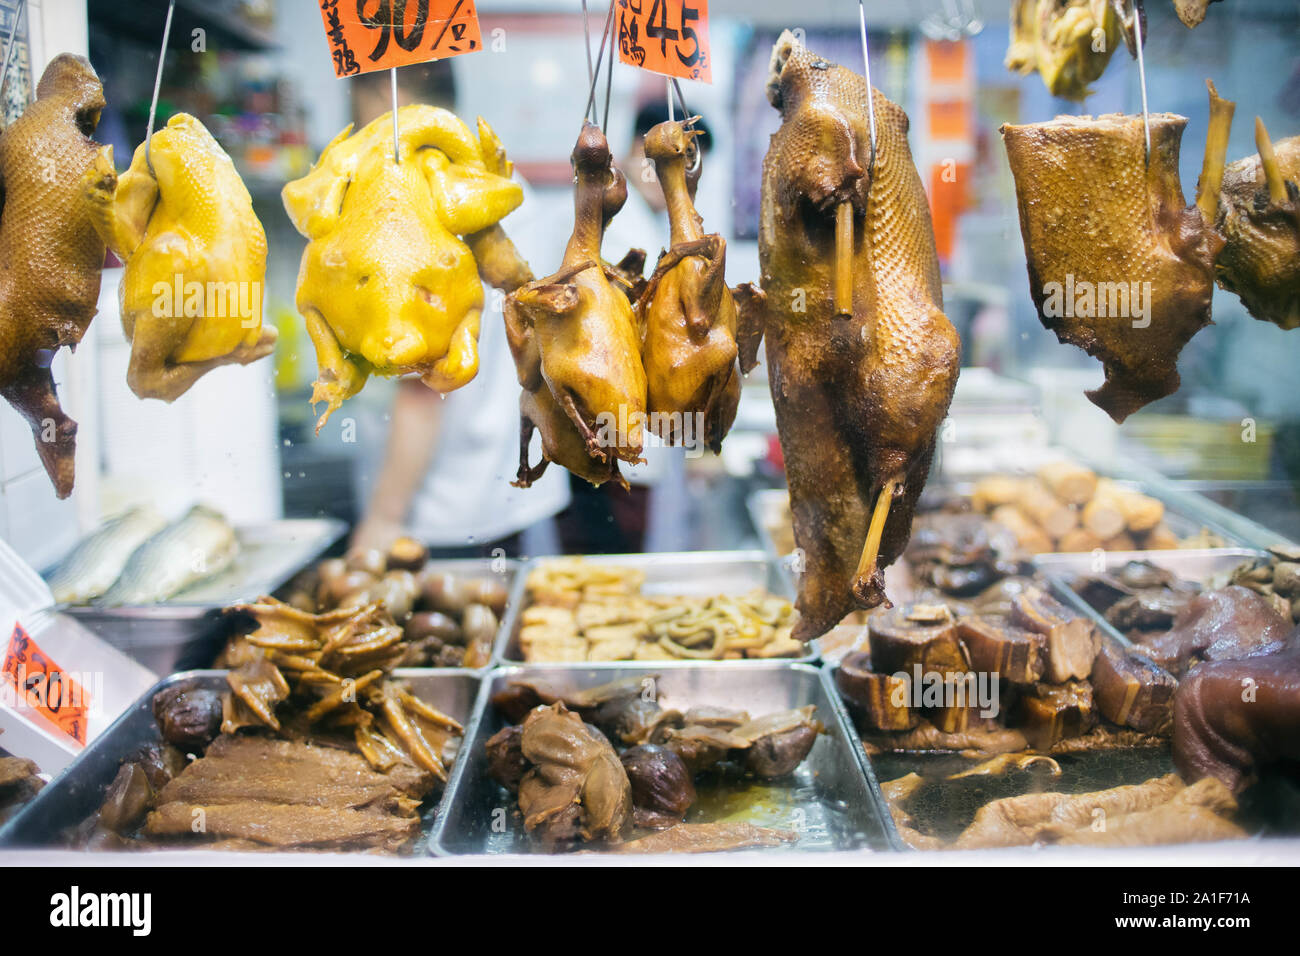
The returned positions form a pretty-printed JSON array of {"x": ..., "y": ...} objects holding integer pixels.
[
  {"x": 1095, "y": 216},
  {"x": 50, "y": 253},
  {"x": 1261, "y": 261},
  {"x": 1233, "y": 717},
  {"x": 574, "y": 334},
  {"x": 687, "y": 314},
  {"x": 859, "y": 397}
]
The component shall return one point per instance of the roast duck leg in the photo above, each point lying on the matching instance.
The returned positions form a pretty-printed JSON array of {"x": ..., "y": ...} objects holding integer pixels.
[
  {"x": 862, "y": 361},
  {"x": 574, "y": 340},
  {"x": 1119, "y": 265},
  {"x": 50, "y": 254},
  {"x": 687, "y": 313}
]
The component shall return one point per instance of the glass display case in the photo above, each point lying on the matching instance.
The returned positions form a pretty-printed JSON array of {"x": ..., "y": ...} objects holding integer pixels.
[{"x": 540, "y": 428}]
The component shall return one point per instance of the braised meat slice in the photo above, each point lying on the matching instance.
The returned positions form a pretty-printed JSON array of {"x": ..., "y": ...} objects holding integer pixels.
[{"x": 1133, "y": 691}]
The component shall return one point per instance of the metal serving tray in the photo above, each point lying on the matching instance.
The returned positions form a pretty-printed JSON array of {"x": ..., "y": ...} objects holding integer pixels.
[
  {"x": 1197, "y": 566},
  {"x": 79, "y": 791},
  {"x": 186, "y": 632},
  {"x": 687, "y": 573},
  {"x": 829, "y": 800},
  {"x": 479, "y": 569}
]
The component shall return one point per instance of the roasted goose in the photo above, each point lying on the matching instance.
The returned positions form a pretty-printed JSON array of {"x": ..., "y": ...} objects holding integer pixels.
[
  {"x": 687, "y": 314},
  {"x": 182, "y": 219},
  {"x": 50, "y": 254},
  {"x": 1069, "y": 42},
  {"x": 573, "y": 334},
  {"x": 1259, "y": 216},
  {"x": 386, "y": 286},
  {"x": 862, "y": 361},
  {"x": 1118, "y": 265}
]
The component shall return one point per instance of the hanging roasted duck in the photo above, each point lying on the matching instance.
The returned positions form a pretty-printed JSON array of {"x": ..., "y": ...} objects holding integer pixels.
[
  {"x": 1258, "y": 213},
  {"x": 861, "y": 360},
  {"x": 386, "y": 286},
  {"x": 50, "y": 254},
  {"x": 181, "y": 220},
  {"x": 573, "y": 335},
  {"x": 687, "y": 314},
  {"x": 1067, "y": 42},
  {"x": 1119, "y": 265}
]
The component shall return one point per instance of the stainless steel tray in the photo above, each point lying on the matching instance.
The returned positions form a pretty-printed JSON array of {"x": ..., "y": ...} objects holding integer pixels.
[
  {"x": 701, "y": 573},
  {"x": 186, "y": 632},
  {"x": 79, "y": 791},
  {"x": 479, "y": 569},
  {"x": 829, "y": 800},
  {"x": 1202, "y": 567}
]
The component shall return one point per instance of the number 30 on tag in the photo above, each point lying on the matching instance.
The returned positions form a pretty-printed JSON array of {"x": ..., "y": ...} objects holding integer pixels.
[
  {"x": 369, "y": 35},
  {"x": 666, "y": 36}
]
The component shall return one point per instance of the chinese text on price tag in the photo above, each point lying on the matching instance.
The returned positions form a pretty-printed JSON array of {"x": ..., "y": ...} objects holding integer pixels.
[
  {"x": 40, "y": 684},
  {"x": 666, "y": 36},
  {"x": 368, "y": 35}
]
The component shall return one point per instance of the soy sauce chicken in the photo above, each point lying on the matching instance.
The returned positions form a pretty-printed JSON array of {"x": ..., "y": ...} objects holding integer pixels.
[
  {"x": 862, "y": 361},
  {"x": 687, "y": 313},
  {"x": 50, "y": 254},
  {"x": 573, "y": 335}
]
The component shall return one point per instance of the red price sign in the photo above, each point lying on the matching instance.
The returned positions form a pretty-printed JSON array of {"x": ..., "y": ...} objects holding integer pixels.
[
  {"x": 666, "y": 36},
  {"x": 43, "y": 686},
  {"x": 369, "y": 35}
]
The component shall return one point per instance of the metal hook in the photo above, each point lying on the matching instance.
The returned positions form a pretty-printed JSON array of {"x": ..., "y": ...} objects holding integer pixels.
[
  {"x": 157, "y": 85},
  {"x": 871, "y": 96},
  {"x": 397, "y": 148},
  {"x": 1142, "y": 77},
  {"x": 600, "y": 59}
]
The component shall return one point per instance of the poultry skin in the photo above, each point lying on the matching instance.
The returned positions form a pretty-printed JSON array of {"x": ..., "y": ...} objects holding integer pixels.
[
  {"x": 862, "y": 362},
  {"x": 1118, "y": 264},
  {"x": 686, "y": 313},
  {"x": 50, "y": 254},
  {"x": 181, "y": 223},
  {"x": 1068, "y": 42},
  {"x": 1259, "y": 216},
  {"x": 386, "y": 286},
  {"x": 574, "y": 334}
]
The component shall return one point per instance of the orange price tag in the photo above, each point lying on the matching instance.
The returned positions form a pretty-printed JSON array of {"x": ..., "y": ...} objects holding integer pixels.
[
  {"x": 666, "y": 36},
  {"x": 42, "y": 685},
  {"x": 369, "y": 35}
]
